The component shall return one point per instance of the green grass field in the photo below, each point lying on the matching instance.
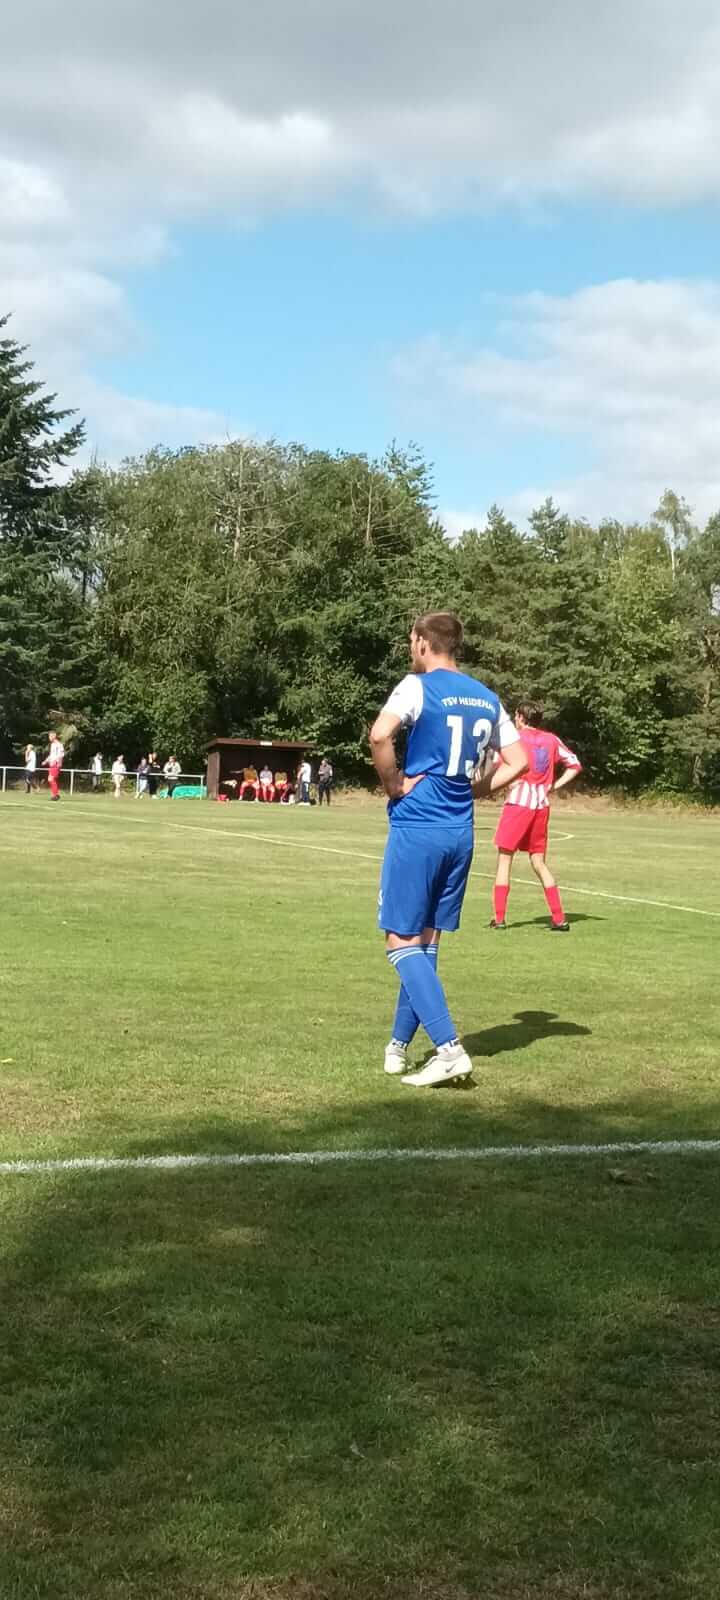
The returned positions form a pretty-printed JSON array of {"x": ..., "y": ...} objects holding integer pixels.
[{"x": 441, "y": 1379}]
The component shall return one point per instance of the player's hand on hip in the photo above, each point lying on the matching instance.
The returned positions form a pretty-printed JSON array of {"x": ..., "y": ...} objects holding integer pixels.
[{"x": 408, "y": 784}]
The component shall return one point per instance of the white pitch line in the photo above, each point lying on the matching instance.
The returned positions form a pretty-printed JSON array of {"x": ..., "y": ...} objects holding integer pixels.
[
  {"x": 317, "y": 1158},
  {"x": 238, "y": 839},
  {"x": 627, "y": 899},
  {"x": 362, "y": 855},
  {"x": 223, "y": 832},
  {"x": 270, "y": 838},
  {"x": 300, "y": 844}
]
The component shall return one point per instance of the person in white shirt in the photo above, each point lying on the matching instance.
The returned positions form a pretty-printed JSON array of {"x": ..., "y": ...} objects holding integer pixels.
[
  {"x": 118, "y": 771},
  {"x": 304, "y": 781},
  {"x": 267, "y": 786},
  {"x": 96, "y": 766},
  {"x": 53, "y": 761},
  {"x": 171, "y": 772},
  {"x": 30, "y": 768}
]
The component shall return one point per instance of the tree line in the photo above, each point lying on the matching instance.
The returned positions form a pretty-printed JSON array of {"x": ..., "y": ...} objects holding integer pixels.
[{"x": 267, "y": 589}]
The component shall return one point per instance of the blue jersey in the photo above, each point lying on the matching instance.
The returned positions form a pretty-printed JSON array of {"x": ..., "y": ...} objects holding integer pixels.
[{"x": 452, "y": 720}]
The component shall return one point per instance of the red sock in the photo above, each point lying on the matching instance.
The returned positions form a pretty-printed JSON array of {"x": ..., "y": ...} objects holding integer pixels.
[
  {"x": 500, "y": 900},
  {"x": 554, "y": 904}
]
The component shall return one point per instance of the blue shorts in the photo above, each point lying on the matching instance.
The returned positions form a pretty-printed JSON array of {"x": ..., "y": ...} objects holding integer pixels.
[{"x": 424, "y": 877}]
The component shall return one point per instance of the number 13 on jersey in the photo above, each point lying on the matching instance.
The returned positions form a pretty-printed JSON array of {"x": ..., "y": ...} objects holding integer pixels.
[{"x": 482, "y": 730}]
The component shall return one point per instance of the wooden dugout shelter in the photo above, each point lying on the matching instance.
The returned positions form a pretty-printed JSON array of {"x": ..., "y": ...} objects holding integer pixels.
[{"x": 227, "y": 758}]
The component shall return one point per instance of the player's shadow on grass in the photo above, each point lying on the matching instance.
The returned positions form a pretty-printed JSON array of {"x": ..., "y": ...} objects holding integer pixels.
[
  {"x": 525, "y": 1028},
  {"x": 542, "y": 921}
]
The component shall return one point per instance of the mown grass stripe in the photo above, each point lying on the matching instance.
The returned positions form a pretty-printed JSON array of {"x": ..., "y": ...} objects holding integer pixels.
[{"x": 362, "y": 855}]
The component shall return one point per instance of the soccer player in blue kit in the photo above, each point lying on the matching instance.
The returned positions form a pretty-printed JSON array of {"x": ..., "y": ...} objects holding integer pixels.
[{"x": 453, "y": 720}]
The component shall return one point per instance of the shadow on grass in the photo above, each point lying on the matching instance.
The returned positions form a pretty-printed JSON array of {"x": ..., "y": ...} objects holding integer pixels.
[
  {"x": 499, "y": 1382},
  {"x": 525, "y": 1029},
  {"x": 398, "y": 1116},
  {"x": 544, "y": 921}
]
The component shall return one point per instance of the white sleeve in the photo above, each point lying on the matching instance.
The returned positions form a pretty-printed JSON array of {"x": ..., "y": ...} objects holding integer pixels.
[
  {"x": 406, "y": 701},
  {"x": 568, "y": 756},
  {"x": 504, "y": 732}
]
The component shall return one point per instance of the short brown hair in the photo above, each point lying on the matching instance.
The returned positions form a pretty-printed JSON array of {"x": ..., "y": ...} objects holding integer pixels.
[
  {"x": 442, "y": 630},
  {"x": 531, "y": 712}
]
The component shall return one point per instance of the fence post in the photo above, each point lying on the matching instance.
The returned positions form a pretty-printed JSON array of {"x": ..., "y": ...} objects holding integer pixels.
[
  {"x": 4, "y": 772},
  {"x": 72, "y": 779}
]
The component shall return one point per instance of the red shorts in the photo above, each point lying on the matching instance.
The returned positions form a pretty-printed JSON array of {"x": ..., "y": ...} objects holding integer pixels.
[{"x": 523, "y": 828}]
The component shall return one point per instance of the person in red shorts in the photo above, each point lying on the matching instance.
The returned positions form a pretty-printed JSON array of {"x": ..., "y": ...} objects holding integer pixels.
[
  {"x": 525, "y": 815},
  {"x": 250, "y": 780},
  {"x": 53, "y": 761}
]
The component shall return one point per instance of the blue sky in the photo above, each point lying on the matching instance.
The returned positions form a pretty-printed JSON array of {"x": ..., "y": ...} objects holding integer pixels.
[
  {"x": 261, "y": 227},
  {"x": 290, "y": 327}
]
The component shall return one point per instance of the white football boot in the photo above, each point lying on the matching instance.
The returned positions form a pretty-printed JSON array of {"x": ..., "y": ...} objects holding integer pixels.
[
  {"x": 450, "y": 1063},
  {"x": 395, "y": 1056}
]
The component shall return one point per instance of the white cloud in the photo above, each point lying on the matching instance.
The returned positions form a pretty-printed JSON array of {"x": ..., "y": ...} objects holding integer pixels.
[
  {"x": 627, "y": 371},
  {"x": 30, "y": 198},
  {"x": 119, "y": 122},
  {"x": 228, "y": 157},
  {"x": 65, "y": 313},
  {"x": 233, "y": 107},
  {"x": 74, "y": 316},
  {"x": 125, "y": 425},
  {"x": 456, "y": 522}
]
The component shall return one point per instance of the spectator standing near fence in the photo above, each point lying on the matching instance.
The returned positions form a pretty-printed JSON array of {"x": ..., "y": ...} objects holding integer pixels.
[
  {"x": 30, "y": 768},
  {"x": 118, "y": 772},
  {"x": 53, "y": 761},
  {"x": 143, "y": 768},
  {"x": 154, "y": 772},
  {"x": 171, "y": 773},
  {"x": 96, "y": 766},
  {"x": 325, "y": 781}
]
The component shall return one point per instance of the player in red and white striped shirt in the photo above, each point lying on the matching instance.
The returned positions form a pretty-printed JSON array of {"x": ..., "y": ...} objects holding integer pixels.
[
  {"x": 525, "y": 815},
  {"x": 53, "y": 761}
]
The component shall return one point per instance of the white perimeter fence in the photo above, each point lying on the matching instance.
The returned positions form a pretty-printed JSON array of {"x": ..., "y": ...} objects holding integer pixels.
[{"x": 80, "y": 780}]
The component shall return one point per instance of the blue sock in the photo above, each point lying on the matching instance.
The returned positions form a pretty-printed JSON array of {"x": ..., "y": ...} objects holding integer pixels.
[
  {"x": 406, "y": 1023},
  {"x": 424, "y": 992}
]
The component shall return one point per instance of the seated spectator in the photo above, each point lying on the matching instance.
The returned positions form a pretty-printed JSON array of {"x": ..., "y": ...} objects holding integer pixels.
[
  {"x": 283, "y": 787},
  {"x": 267, "y": 786},
  {"x": 250, "y": 781}
]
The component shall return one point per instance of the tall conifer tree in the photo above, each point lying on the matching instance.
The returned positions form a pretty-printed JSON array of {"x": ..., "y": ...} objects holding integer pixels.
[{"x": 40, "y": 527}]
